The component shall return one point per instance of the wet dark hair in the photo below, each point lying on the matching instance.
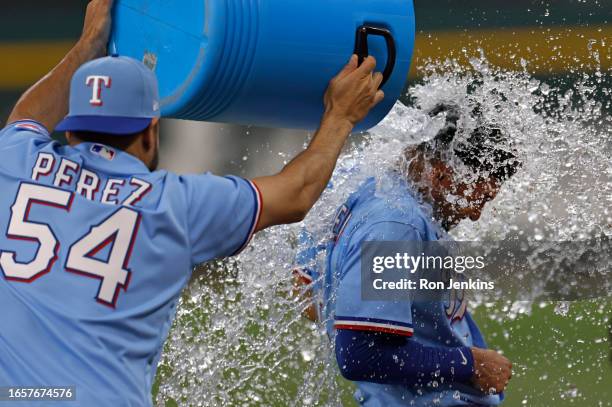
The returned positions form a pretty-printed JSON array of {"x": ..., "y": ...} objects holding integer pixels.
[{"x": 486, "y": 150}]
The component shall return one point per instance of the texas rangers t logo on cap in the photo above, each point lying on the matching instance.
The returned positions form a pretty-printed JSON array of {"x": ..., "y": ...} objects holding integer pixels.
[
  {"x": 97, "y": 81},
  {"x": 126, "y": 109}
]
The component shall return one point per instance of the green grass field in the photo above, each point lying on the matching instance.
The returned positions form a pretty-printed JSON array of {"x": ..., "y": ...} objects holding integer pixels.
[{"x": 559, "y": 360}]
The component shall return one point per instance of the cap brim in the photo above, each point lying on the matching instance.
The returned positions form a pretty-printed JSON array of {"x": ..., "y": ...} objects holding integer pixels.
[{"x": 104, "y": 124}]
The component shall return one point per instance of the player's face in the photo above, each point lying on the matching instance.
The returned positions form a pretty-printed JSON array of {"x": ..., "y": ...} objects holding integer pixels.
[
  {"x": 456, "y": 200},
  {"x": 476, "y": 197}
]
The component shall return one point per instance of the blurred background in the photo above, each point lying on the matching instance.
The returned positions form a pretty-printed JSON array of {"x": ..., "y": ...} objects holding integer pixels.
[{"x": 553, "y": 40}]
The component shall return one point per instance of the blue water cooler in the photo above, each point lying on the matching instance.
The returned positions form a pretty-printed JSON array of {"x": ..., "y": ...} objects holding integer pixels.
[{"x": 262, "y": 62}]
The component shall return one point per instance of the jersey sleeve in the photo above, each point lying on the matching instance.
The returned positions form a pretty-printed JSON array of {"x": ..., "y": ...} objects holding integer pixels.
[
  {"x": 353, "y": 313},
  {"x": 223, "y": 213},
  {"x": 23, "y": 128}
]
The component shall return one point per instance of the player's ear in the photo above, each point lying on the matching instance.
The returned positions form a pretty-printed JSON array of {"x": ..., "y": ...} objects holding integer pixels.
[
  {"x": 150, "y": 135},
  {"x": 70, "y": 138},
  {"x": 154, "y": 127}
]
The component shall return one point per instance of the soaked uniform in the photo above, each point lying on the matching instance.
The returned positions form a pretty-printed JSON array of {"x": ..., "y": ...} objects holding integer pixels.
[{"x": 389, "y": 215}]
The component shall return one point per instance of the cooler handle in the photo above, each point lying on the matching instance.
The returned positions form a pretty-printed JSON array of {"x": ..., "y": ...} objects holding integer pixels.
[{"x": 362, "y": 51}]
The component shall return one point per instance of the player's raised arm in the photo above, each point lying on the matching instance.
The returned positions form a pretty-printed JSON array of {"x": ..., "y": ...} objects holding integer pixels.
[
  {"x": 289, "y": 195},
  {"x": 47, "y": 101}
]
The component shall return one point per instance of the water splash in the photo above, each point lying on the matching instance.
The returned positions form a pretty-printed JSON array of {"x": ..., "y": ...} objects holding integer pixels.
[{"x": 239, "y": 338}]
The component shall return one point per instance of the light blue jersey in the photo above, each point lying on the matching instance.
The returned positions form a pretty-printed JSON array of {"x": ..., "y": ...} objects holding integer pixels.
[
  {"x": 95, "y": 252},
  {"x": 392, "y": 214}
]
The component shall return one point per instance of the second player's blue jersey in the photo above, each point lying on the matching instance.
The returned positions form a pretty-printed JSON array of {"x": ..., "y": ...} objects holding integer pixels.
[
  {"x": 94, "y": 252},
  {"x": 388, "y": 213}
]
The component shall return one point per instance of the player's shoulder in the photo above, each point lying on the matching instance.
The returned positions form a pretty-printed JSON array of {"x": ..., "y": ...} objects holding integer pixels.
[
  {"x": 388, "y": 230},
  {"x": 390, "y": 217},
  {"x": 401, "y": 214},
  {"x": 24, "y": 129}
]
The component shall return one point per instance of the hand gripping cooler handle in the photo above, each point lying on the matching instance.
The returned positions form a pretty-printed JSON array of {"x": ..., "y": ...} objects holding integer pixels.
[{"x": 362, "y": 51}]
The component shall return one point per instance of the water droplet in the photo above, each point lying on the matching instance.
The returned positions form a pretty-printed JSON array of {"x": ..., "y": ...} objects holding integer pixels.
[
  {"x": 562, "y": 308},
  {"x": 307, "y": 355}
]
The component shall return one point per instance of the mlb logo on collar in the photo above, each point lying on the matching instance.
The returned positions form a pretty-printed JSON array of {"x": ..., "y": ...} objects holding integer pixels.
[{"x": 103, "y": 151}]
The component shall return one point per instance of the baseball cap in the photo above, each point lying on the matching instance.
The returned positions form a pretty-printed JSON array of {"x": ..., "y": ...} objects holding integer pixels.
[{"x": 113, "y": 95}]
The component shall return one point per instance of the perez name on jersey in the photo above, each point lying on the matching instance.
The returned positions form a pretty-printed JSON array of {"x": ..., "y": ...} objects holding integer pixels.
[{"x": 65, "y": 173}]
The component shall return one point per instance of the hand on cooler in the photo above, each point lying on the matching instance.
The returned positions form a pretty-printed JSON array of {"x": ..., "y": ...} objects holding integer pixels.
[{"x": 354, "y": 91}]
